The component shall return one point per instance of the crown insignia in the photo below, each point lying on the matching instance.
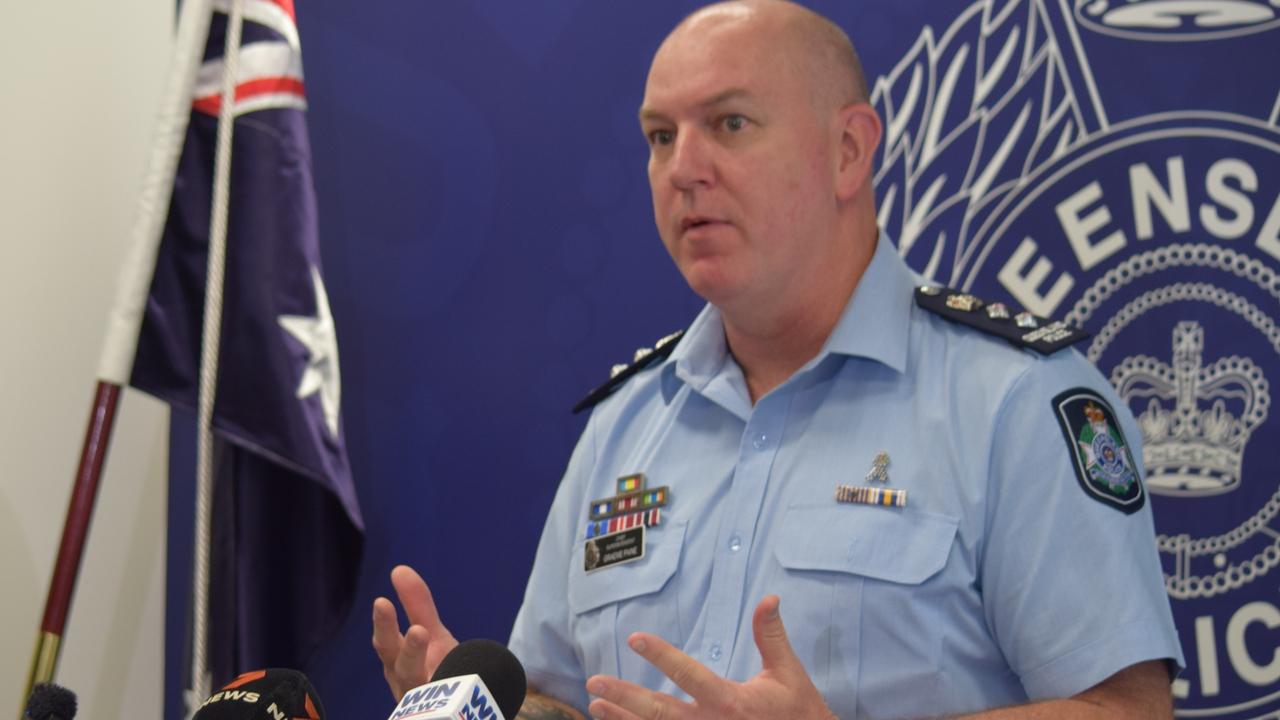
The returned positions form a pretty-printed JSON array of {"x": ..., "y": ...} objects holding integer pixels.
[{"x": 1195, "y": 447}]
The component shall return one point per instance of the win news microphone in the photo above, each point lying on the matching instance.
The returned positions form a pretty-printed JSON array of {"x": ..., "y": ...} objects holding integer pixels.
[
  {"x": 273, "y": 694},
  {"x": 50, "y": 702},
  {"x": 477, "y": 680}
]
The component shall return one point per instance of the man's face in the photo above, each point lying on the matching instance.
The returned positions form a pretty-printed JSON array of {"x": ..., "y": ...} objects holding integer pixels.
[{"x": 740, "y": 163}]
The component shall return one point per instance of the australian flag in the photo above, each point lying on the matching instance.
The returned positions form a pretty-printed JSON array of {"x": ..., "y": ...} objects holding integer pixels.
[{"x": 287, "y": 531}]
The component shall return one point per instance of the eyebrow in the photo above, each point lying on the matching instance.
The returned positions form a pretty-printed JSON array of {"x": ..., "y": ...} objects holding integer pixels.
[{"x": 717, "y": 99}]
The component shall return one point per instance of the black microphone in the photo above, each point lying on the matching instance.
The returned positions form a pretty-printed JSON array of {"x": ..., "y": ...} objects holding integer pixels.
[
  {"x": 269, "y": 694},
  {"x": 50, "y": 702},
  {"x": 470, "y": 680},
  {"x": 501, "y": 672}
]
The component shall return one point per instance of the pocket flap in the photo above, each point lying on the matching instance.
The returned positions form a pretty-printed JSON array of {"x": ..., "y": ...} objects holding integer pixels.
[
  {"x": 899, "y": 545},
  {"x": 588, "y": 591}
]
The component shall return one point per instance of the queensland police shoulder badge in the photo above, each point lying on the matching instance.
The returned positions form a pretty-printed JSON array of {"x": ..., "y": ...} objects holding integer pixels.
[{"x": 1101, "y": 458}]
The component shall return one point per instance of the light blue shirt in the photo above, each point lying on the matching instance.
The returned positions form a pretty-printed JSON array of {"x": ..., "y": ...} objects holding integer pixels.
[{"x": 1000, "y": 581}]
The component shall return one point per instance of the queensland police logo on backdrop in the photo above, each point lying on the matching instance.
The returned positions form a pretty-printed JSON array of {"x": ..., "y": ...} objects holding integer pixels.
[{"x": 1116, "y": 163}]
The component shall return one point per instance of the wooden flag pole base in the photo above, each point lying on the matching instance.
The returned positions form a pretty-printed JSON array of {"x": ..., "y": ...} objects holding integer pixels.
[{"x": 75, "y": 530}]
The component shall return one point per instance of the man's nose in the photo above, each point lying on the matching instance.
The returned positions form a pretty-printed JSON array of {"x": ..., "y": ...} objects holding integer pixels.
[{"x": 691, "y": 164}]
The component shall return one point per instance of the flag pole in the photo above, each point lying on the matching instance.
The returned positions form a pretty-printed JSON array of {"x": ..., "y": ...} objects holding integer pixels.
[
  {"x": 75, "y": 530},
  {"x": 116, "y": 359},
  {"x": 209, "y": 345}
]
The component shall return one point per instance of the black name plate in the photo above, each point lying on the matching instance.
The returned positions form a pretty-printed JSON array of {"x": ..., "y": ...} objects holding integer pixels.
[{"x": 617, "y": 548}]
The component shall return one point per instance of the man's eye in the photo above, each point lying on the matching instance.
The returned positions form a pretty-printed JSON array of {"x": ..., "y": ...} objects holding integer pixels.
[
  {"x": 661, "y": 137},
  {"x": 734, "y": 123}
]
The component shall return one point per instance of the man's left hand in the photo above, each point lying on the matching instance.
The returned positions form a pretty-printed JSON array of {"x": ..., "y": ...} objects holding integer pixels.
[{"x": 782, "y": 689}]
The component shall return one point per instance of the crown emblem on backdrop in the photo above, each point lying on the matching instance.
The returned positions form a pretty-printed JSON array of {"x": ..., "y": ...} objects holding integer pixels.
[{"x": 1195, "y": 419}]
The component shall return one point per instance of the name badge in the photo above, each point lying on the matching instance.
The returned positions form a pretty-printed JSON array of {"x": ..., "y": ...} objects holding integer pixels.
[{"x": 614, "y": 549}]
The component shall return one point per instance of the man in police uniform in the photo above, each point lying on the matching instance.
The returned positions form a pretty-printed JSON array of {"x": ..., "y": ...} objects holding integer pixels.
[{"x": 945, "y": 522}]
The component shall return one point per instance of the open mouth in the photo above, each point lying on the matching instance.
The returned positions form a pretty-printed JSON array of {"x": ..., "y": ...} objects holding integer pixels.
[{"x": 694, "y": 222}]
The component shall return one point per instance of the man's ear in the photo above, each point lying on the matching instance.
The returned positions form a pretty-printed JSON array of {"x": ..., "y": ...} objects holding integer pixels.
[{"x": 858, "y": 127}]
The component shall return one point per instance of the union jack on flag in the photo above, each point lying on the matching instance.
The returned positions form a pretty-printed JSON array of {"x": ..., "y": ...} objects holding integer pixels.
[{"x": 270, "y": 62}]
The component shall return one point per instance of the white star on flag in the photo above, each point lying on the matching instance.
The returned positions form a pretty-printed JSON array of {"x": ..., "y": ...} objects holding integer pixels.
[{"x": 317, "y": 335}]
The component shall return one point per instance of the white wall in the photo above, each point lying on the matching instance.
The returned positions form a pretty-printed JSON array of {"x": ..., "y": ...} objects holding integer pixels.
[{"x": 79, "y": 85}]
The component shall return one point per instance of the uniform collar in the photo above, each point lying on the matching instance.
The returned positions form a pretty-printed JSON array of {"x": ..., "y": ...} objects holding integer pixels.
[
  {"x": 875, "y": 324},
  {"x": 702, "y": 351}
]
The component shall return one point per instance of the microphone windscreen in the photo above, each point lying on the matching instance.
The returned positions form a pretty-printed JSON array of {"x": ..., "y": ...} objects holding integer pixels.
[
  {"x": 501, "y": 672},
  {"x": 50, "y": 702},
  {"x": 264, "y": 695}
]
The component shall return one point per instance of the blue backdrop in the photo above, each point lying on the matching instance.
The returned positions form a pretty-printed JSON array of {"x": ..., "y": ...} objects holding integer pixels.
[{"x": 490, "y": 252}]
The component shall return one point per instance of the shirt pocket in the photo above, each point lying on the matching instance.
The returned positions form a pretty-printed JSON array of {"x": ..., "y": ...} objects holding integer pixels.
[
  {"x": 890, "y": 544},
  {"x": 609, "y": 604},
  {"x": 853, "y": 579}
]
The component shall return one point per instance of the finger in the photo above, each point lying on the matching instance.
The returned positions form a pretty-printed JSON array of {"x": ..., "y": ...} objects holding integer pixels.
[
  {"x": 386, "y": 632},
  {"x": 416, "y": 598},
  {"x": 411, "y": 664},
  {"x": 688, "y": 674},
  {"x": 605, "y": 710},
  {"x": 621, "y": 700},
  {"x": 771, "y": 637}
]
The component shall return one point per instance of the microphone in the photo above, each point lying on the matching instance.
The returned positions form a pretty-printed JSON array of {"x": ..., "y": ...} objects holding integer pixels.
[
  {"x": 272, "y": 694},
  {"x": 477, "y": 680},
  {"x": 50, "y": 702}
]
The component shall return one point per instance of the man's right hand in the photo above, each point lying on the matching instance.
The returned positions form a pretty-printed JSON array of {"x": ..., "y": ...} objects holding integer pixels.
[{"x": 409, "y": 660}]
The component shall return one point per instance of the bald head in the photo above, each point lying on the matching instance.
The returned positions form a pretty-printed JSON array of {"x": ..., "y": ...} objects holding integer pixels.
[
  {"x": 760, "y": 153},
  {"x": 815, "y": 48}
]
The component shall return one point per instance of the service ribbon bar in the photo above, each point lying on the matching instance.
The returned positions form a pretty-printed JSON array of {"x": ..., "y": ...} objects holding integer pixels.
[
  {"x": 629, "y": 503},
  {"x": 648, "y": 518},
  {"x": 871, "y": 496},
  {"x": 629, "y": 483}
]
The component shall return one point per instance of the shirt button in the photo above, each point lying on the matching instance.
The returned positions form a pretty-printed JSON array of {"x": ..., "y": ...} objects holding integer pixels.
[
  {"x": 759, "y": 441},
  {"x": 735, "y": 543},
  {"x": 715, "y": 652}
]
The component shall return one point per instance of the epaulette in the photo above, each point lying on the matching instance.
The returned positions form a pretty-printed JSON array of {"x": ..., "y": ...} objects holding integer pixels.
[
  {"x": 1023, "y": 329},
  {"x": 619, "y": 374}
]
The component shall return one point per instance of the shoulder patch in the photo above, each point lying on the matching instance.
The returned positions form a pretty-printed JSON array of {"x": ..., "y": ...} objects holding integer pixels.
[
  {"x": 1020, "y": 328},
  {"x": 1099, "y": 453},
  {"x": 620, "y": 374}
]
